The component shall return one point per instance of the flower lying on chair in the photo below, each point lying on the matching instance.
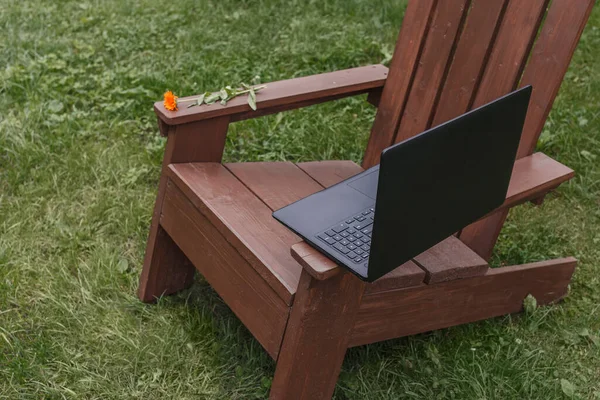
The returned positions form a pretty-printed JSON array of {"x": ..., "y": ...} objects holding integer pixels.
[
  {"x": 170, "y": 101},
  {"x": 223, "y": 96}
]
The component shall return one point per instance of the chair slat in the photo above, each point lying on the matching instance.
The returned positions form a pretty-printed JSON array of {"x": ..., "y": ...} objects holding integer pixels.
[
  {"x": 243, "y": 220},
  {"x": 277, "y": 184},
  {"x": 432, "y": 67},
  {"x": 472, "y": 49},
  {"x": 532, "y": 177},
  {"x": 328, "y": 173},
  {"x": 549, "y": 61},
  {"x": 513, "y": 43},
  {"x": 406, "y": 55},
  {"x": 517, "y": 33},
  {"x": 450, "y": 259}
]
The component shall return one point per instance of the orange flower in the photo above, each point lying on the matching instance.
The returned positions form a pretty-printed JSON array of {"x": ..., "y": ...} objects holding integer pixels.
[{"x": 170, "y": 101}]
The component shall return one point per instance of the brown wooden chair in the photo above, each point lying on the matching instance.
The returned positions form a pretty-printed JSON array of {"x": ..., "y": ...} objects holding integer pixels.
[{"x": 451, "y": 56}]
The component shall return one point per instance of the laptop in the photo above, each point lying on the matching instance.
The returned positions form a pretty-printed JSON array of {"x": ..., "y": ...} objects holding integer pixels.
[{"x": 425, "y": 189}]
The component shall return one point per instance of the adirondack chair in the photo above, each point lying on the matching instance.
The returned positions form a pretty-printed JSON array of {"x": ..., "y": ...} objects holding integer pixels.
[{"x": 215, "y": 218}]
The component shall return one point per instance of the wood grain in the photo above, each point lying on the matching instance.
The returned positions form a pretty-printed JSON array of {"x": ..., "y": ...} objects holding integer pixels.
[
  {"x": 314, "y": 262},
  {"x": 403, "y": 312},
  {"x": 472, "y": 51},
  {"x": 432, "y": 67},
  {"x": 316, "y": 337},
  {"x": 321, "y": 268},
  {"x": 511, "y": 48},
  {"x": 248, "y": 295},
  {"x": 449, "y": 260},
  {"x": 549, "y": 61},
  {"x": 244, "y": 220},
  {"x": 277, "y": 184},
  {"x": 533, "y": 176},
  {"x": 503, "y": 70},
  {"x": 409, "y": 46},
  {"x": 166, "y": 270},
  {"x": 328, "y": 173},
  {"x": 284, "y": 95}
]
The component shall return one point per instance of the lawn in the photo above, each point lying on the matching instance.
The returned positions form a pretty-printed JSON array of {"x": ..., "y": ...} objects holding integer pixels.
[{"x": 79, "y": 163}]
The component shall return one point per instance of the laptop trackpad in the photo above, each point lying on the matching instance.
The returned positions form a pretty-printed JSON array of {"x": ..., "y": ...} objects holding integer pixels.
[{"x": 367, "y": 184}]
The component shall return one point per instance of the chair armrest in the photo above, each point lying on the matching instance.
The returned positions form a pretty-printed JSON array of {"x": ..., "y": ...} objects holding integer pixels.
[
  {"x": 533, "y": 176},
  {"x": 315, "y": 263},
  {"x": 284, "y": 95}
]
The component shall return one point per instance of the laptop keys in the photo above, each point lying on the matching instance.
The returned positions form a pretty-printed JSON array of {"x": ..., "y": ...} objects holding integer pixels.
[
  {"x": 339, "y": 228},
  {"x": 352, "y": 237},
  {"x": 341, "y": 249}
]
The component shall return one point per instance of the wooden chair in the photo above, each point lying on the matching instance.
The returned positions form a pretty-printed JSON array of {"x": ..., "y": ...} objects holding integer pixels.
[{"x": 451, "y": 56}]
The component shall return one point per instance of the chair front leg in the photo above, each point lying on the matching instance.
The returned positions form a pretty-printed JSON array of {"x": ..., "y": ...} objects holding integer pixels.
[
  {"x": 316, "y": 337},
  {"x": 166, "y": 269}
]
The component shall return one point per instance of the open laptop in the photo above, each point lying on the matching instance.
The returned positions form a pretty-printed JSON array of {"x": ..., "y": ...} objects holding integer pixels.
[{"x": 425, "y": 189}]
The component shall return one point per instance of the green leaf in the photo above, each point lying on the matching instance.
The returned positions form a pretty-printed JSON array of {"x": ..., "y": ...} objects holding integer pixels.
[
  {"x": 529, "y": 304},
  {"x": 223, "y": 94},
  {"x": 211, "y": 98},
  {"x": 224, "y": 102},
  {"x": 567, "y": 387},
  {"x": 198, "y": 101},
  {"x": 122, "y": 266},
  {"x": 245, "y": 86},
  {"x": 231, "y": 92},
  {"x": 252, "y": 99}
]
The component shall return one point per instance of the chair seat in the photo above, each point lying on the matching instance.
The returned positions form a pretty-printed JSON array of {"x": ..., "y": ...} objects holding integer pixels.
[{"x": 239, "y": 198}]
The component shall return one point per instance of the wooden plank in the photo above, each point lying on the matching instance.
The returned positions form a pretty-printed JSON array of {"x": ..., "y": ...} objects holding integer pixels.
[
  {"x": 533, "y": 176},
  {"x": 284, "y": 95},
  {"x": 409, "y": 45},
  {"x": 507, "y": 60},
  {"x": 244, "y": 220},
  {"x": 314, "y": 262},
  {"x": 248, "y": 295},
  {"x": 407, "y": 275},
  {"x": 513, "y": 43},
  {"x": 166, "y": 270},
  {"x": 328, "y": 173},
  {"x": 277, "y": 184},
  {"x": 472, "y": 50},
  {"x": 432, "y": 67},
  {"x": 316, "y": 337},
  {"x": 321, "y": 268},
  {"x": 549, "y": 61},
  {"x": 449, "y": 260},
  {"x": 429, "y": 307}
]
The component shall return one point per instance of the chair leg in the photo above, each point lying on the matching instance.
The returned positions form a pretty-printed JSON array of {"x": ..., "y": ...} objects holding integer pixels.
[
  {"x": 316, "y": 337},
  {"x": 166, "y": 269}
]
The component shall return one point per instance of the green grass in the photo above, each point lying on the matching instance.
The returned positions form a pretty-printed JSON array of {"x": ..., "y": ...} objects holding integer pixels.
[{"x": 79, "y": 164}]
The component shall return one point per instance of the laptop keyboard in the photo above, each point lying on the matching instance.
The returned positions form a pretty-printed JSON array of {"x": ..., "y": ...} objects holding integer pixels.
[{"x": 352, "y": 236}]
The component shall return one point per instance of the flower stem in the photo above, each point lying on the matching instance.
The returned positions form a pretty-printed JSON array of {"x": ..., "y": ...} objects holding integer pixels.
[{"x": 256, "y": 89}]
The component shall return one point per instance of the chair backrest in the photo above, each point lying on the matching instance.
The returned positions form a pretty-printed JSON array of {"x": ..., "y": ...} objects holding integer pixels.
[{"x": 454, "y": 55}]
